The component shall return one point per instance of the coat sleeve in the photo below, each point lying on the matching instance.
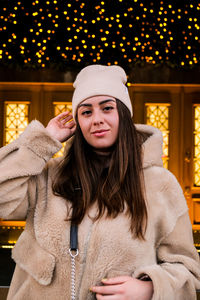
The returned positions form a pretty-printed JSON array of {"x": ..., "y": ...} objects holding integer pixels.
[
  {"x": 20, "y": 162},
  {"x": 176, "y": 275}
]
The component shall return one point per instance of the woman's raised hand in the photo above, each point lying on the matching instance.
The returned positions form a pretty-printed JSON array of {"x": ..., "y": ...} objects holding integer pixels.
[
  {"x": 124, "y": 288},
  {"x": 62, "y": 127}
]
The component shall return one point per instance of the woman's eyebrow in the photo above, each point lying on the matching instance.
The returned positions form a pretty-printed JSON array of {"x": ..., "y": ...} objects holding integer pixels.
[
  {"x": 107, "y": 100},
  {"x": 85, "y": 104},
  {"x": 90, "y": 105}
]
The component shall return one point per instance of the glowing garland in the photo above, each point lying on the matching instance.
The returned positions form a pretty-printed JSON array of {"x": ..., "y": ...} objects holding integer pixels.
[{"x": 66, "y": 34}]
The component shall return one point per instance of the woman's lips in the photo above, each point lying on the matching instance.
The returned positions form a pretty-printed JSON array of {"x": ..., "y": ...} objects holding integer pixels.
[{"x": 99, "y": 133}]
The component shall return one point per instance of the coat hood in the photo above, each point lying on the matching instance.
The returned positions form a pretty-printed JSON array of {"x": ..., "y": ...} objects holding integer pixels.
[{"x": 152, "y": 145}]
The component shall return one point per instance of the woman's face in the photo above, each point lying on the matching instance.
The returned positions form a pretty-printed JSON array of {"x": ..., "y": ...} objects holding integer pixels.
[{"x": 99, "y": 121}]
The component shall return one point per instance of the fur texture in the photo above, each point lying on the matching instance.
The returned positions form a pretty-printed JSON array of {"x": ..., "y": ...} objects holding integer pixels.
[{"x": 106, "y": 247}]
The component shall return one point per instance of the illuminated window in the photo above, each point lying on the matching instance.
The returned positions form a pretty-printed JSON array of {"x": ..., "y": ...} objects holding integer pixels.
[
  {"x": 60, "y": 107},
  {"x": 157, "y": 115},
  {"x": 196, "y": 158},
  {"x": 16, "y": 120}
]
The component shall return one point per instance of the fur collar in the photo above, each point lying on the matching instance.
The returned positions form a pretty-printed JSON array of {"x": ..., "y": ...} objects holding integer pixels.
[{"x": 152, "y": 146}]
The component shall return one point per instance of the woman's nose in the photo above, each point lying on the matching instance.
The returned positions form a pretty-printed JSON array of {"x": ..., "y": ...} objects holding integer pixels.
[{"x": 97, "y": 118}]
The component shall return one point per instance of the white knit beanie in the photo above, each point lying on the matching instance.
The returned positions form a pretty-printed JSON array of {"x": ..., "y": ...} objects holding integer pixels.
[{"x": 95, "y": 80}]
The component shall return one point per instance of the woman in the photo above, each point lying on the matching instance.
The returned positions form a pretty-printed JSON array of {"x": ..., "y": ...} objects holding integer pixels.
[{"x": 134, "y": 234}]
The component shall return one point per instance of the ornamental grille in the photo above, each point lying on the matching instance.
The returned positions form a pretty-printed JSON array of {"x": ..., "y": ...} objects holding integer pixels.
[
  {"x": 157, "y": 115},
  {"x": 16, "y": 120},
  {"x": 196, "y": 158},
  {"x": 60, "y": 107}
]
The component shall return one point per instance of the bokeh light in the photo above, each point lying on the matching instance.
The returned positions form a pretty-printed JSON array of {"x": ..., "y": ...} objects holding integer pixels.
[{"x": 62, "y": 34}]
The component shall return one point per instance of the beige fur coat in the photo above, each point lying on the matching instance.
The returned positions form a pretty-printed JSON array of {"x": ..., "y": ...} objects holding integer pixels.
[{"x": 106, "y": 247}]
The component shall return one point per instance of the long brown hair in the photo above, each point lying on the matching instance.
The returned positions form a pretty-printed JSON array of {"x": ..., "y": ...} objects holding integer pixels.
[{"x": 84, "y": 177}]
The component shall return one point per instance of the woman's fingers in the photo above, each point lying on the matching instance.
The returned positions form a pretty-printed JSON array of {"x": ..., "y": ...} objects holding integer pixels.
[
  {"x": 107, "y": 297},
  {"x": 115, "y": 280},
  {"x": 70, "y": 124},
  {"x": 107, "y": 289},
  {"x": 62, "y": 115},
  {"x": 124, "y": 287},
  {"x": 111, "y": 285}
]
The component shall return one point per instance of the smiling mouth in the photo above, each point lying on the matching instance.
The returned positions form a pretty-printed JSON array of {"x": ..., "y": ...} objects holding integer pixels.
[{"x": 100, "y": 132}]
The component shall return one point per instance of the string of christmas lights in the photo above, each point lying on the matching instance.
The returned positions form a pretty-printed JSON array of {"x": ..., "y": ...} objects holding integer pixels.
[{"x": 69, "y": 34}]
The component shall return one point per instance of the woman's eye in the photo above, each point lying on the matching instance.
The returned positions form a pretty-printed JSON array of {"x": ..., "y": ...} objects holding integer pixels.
[
  {"x": 107, "y": 108},
  {"x": 86, "y": 112}
]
